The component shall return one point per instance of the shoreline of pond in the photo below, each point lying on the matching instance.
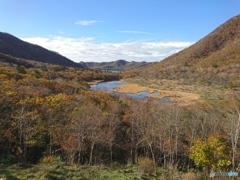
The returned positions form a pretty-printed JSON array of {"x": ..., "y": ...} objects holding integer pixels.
[
  {"x": 113, "y": 87},
  {"x": 140, "y": 92}
]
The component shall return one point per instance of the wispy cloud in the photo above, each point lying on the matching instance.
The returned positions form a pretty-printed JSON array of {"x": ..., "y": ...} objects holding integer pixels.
[
  {"x": 60, "y": 31},
  {"x": 87, "y": 22},
  {"x": 85, "y": 49},
  {"x": 133, "y": 32}
]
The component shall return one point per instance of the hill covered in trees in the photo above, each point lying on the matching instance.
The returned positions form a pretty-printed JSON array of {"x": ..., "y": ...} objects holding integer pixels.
[
  {"x": 213, "y": 60},
  {"x": 15, "y": 47},
  {"x": 120, "y": 65}
]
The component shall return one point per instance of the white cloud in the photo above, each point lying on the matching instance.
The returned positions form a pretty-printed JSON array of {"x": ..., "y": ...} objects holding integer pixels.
[
  {"x": 85, "y": 49},
  {"x": 87, "y": 22}
]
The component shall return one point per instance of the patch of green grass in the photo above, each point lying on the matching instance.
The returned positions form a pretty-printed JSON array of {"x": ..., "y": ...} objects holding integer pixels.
[{"x": 60, "y": 171}]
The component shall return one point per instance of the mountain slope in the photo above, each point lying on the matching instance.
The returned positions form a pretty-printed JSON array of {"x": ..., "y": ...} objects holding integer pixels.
[
  {"x": 13, "y": 46},
  {"x": 215, "y": 59},
  {"x": 115, "y": 65}
]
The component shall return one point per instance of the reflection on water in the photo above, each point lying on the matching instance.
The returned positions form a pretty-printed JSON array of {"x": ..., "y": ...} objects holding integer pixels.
[
  {"x": 109, "y": 87},
  {"x": 111, "y": 70},
  {"x": 165, "y": 99},
  {"x": 140, "y": 95},
  {"x": 155, "y": 92}
]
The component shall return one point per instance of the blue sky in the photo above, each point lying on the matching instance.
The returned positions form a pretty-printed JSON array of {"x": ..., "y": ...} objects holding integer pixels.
[{"x": 108, "y": 30}]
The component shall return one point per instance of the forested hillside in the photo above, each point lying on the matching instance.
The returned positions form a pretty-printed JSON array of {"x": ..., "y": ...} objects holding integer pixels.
[
  {"x": 120, "y": 65},
  {"x": 13, "y": 46},
  {"x": 213, "y": 60}
]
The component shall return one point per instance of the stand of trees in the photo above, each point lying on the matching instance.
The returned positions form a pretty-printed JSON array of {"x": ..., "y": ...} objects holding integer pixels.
[{"x": 80, "y": 126}]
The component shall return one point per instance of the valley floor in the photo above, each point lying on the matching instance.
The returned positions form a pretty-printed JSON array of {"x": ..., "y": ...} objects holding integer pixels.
[{"x": 177, "y": 91}]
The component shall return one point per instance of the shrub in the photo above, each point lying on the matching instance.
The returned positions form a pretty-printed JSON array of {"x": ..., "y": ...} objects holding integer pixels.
[
  {"x": 21, "y": 69},
  {"x": 115, "y": 165},
  {"x": 9, "y": 159},
  {"x": 49, "y": 159},
  {"x": 191, "y": 176},
  {"x": 171, "y": 172},
  {"x": 37, "y": 74},
  {"x": 146, "y": 165}
]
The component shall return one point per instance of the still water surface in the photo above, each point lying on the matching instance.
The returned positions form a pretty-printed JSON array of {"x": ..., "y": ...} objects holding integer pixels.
[{"x": 109, "y": 87}]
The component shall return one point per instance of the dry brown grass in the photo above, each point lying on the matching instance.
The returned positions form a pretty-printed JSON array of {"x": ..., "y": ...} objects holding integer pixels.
[
  {"x": 94, "y": 82},
  {"x": 133, "y": 88},
  {"x": 176, "y": 96},
  {"x": 191, "y": 176},
  {"x": 146, "y": 165},
  {"x": 178, "y": 90}
]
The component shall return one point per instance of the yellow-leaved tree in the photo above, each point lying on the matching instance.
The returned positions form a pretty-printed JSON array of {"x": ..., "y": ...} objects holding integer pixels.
[{"x": 213, "y": 154}]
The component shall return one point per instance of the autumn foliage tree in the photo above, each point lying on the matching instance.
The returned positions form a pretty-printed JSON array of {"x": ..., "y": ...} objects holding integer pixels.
[
  {"x": 213, "y": 154},
  {"x": 55, "y": 114}
]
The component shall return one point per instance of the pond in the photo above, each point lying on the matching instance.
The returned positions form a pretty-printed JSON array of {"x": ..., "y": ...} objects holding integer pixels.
[
  {"x": 107, "y": 86},
  {"x": 110, "y": 86},
  {"x": 111, "y": 70}
]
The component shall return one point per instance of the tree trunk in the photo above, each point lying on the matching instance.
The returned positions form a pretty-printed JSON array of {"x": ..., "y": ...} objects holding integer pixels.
[
  {"x": 111, "y": 153},
  {"x": 79, "y": 150},
  {"x": 91, "y": 153}
]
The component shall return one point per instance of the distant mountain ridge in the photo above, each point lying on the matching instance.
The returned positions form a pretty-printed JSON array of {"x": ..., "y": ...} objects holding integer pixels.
[
  {"x": 214, "y": 59},
  {"x": 15, "y": 47},
  {"x": 115, "y": 65}
]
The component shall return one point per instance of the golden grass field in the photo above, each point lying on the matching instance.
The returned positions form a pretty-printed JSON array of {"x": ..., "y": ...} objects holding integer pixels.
[
  {"x": 178, "y": 91},
  {"x": 94, "y": 82},
  {"x": 175, "y": 96}
]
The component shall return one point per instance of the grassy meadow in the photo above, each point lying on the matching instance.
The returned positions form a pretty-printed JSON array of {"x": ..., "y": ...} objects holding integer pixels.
[{"x": 58, "y": 171}]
